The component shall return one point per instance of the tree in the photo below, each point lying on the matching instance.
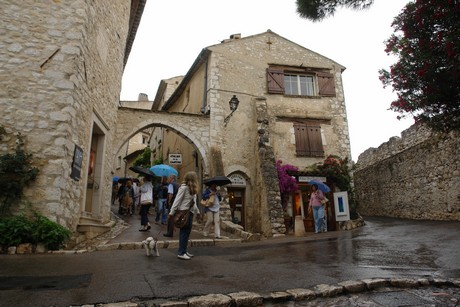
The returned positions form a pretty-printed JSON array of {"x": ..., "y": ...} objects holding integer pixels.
[
  {"x": 426, "y": 76},
  {"x": 317, "y": 10}
]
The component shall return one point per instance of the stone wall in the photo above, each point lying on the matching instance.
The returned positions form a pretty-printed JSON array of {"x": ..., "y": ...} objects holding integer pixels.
[
  {"x": 61, "y": 67},
  {"x": 416, "y": 176}
]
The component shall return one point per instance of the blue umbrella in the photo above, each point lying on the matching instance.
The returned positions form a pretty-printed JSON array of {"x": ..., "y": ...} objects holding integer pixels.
[
  {"x": 115, "y": 179},
  {"x": 161, "y": 170},
  {"x": 322, "y": 186}
]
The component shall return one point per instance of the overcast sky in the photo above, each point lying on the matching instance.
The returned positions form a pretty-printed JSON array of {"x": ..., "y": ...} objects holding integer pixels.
[{"x": 173, "y": 32}]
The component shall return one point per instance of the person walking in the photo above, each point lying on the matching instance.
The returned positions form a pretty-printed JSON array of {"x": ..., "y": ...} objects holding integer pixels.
[
  {"x": 212, "y": 211},
  {"x": 161, "y": 195},
  {"x": 173, "y": 189},
  {"x": 128, "y": 198},
  {"x": 186, "y": 193},
  {"x": 318, "y": 210},
  {"x": 146, "y": 201}
]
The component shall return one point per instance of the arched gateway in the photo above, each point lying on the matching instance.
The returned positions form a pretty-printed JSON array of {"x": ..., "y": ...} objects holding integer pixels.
[{"x": 192, "y": 127}]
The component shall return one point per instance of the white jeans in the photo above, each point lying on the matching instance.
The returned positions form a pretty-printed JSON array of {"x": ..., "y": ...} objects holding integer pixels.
[{"x": 210, "y": 217}]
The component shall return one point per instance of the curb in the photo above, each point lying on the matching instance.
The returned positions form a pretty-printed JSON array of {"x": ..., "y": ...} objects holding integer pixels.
[{"x": 292, "y": 295}]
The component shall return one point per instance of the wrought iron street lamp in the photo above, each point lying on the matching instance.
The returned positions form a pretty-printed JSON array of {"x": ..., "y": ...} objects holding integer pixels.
[{"x": 233, "y": 103}]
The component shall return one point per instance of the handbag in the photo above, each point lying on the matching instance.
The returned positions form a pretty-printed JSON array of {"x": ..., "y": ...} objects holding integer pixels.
[
  {"x": 181, "y": 216},
  {"x": 208, "y": 202},
  {"x": 324, "y": 200}
]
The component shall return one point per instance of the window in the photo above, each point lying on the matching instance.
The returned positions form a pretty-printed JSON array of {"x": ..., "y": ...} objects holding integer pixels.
[
  {"x": 308, "y": 140},
  {"x": 299, "y": 85},
  {"x": 300, "y": 81}
]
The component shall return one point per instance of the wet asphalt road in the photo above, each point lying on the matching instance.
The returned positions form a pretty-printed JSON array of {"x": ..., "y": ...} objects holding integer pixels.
[{"x": 384, "y": 248}]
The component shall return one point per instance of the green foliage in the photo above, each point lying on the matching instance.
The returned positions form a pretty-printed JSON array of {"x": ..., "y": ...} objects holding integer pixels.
[
  {"x": 338, "y": 172},
  {"x": 144, "y": 158},
  {"x": 426, "y": 76},
  {"x": 39, "y": 229},
  {"x": 158, "y": 161},
  {"x": 16, "y": 172},
  {"x": 316, "y": 10}
]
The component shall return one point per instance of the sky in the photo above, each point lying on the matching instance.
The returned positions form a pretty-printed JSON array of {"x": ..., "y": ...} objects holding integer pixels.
[{"x": 172, "y": 33}]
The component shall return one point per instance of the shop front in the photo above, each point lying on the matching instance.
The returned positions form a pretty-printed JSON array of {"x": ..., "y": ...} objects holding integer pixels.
[{"x": 301, "y": 200}]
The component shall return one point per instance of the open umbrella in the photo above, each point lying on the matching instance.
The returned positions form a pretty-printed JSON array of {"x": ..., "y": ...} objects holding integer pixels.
[
  {"x": 115, "y": 178},
  {"x": 217, "y": 180},
  {"x": 161, "y": 170},
  {"x": 142, "y": 171},
  {"x": 322, "y": 186},
  {"x": 124, "y": 179}
]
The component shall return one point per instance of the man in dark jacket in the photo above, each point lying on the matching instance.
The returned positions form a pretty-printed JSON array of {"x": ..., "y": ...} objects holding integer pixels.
[{"x": 173, "y": 187}]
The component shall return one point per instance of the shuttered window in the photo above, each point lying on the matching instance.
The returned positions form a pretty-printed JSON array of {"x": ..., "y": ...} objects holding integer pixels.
[
  {"x": 300, "y": 82},
  {"x": 308, "y": 140},
  {"x": 326, "y": 84},
  {"x": 275, "y": 81}
]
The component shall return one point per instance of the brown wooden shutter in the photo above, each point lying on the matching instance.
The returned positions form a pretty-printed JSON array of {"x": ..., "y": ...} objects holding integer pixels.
[
  {"x": 326, "y": 84},
  {"x": 302, "y": 145},
  {"x": 314, "y": 138},
  {"x": 275, "y": 81},
  {"x": 308, "y": 140}
]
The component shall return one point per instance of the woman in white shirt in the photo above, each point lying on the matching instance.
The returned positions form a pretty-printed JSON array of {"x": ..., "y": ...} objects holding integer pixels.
[
  {"x": 187, "y": 192},
  {"x": 146, "y": 201}
]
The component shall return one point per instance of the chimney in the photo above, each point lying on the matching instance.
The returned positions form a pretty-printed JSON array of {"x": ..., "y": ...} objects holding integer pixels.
[
  {"x": 143, "y": 97},
  {"x": 235, "y": 36}
]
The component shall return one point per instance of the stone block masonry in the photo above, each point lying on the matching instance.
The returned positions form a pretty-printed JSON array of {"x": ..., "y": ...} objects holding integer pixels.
[
  {"x": 416, "y": 176},
  {"x": 61, "y": 64}
]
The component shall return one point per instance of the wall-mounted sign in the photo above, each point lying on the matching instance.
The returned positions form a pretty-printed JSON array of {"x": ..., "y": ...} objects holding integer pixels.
[
  {"x": 308, "y": 178},
  {"x": 77, "y": 163},
  {"x": 175, "y": 159},
  {"x": 237, "y": 180},
  {"x": 342, "y": 209}
]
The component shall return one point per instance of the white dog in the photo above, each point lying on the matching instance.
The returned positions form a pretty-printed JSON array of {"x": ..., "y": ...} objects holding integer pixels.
[{"x": 151, "y": 246}]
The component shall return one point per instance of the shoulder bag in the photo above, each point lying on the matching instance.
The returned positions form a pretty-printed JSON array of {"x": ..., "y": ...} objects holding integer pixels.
[{"x": 181, "y": 216}]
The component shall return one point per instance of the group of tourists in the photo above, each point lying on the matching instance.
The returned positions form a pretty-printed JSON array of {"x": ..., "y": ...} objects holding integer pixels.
[{"x": 168, "y": 197}]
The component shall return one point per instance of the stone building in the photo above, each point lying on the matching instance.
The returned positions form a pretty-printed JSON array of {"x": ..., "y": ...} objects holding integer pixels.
[
  {"x": 416, "y": 176},
  {"x": 61, "y": 70},
  {"x": 136, "y": 145},
  {"x": 291, "y": 108}
]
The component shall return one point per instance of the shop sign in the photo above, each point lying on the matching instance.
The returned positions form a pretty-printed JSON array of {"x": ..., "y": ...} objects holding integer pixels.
[
  {"x": 237, "y": 180},
  {"x": 175, "y": 159},
  {"x": 308, "y": 178},
  {"x": 77, "y": 163}
]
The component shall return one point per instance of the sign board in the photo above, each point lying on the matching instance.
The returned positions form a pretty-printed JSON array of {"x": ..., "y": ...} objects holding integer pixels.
[
  {"x": 308, "y": 178},
  {"x": 342, "y": 209},
  {"x": 77, "y": 163},
  {"x": 175, "y": 159},
  {"x": 237, "y": 180}
]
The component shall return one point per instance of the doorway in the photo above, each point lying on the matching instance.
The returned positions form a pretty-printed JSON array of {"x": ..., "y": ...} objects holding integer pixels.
[
  {"x": 301, "y": 201},
  {"x": 95, "y": 160},
  {"x": 236, "y": 201}
]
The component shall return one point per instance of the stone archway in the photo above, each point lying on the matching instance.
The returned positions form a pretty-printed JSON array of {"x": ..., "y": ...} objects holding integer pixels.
[{"x": 192, "y": 127}]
